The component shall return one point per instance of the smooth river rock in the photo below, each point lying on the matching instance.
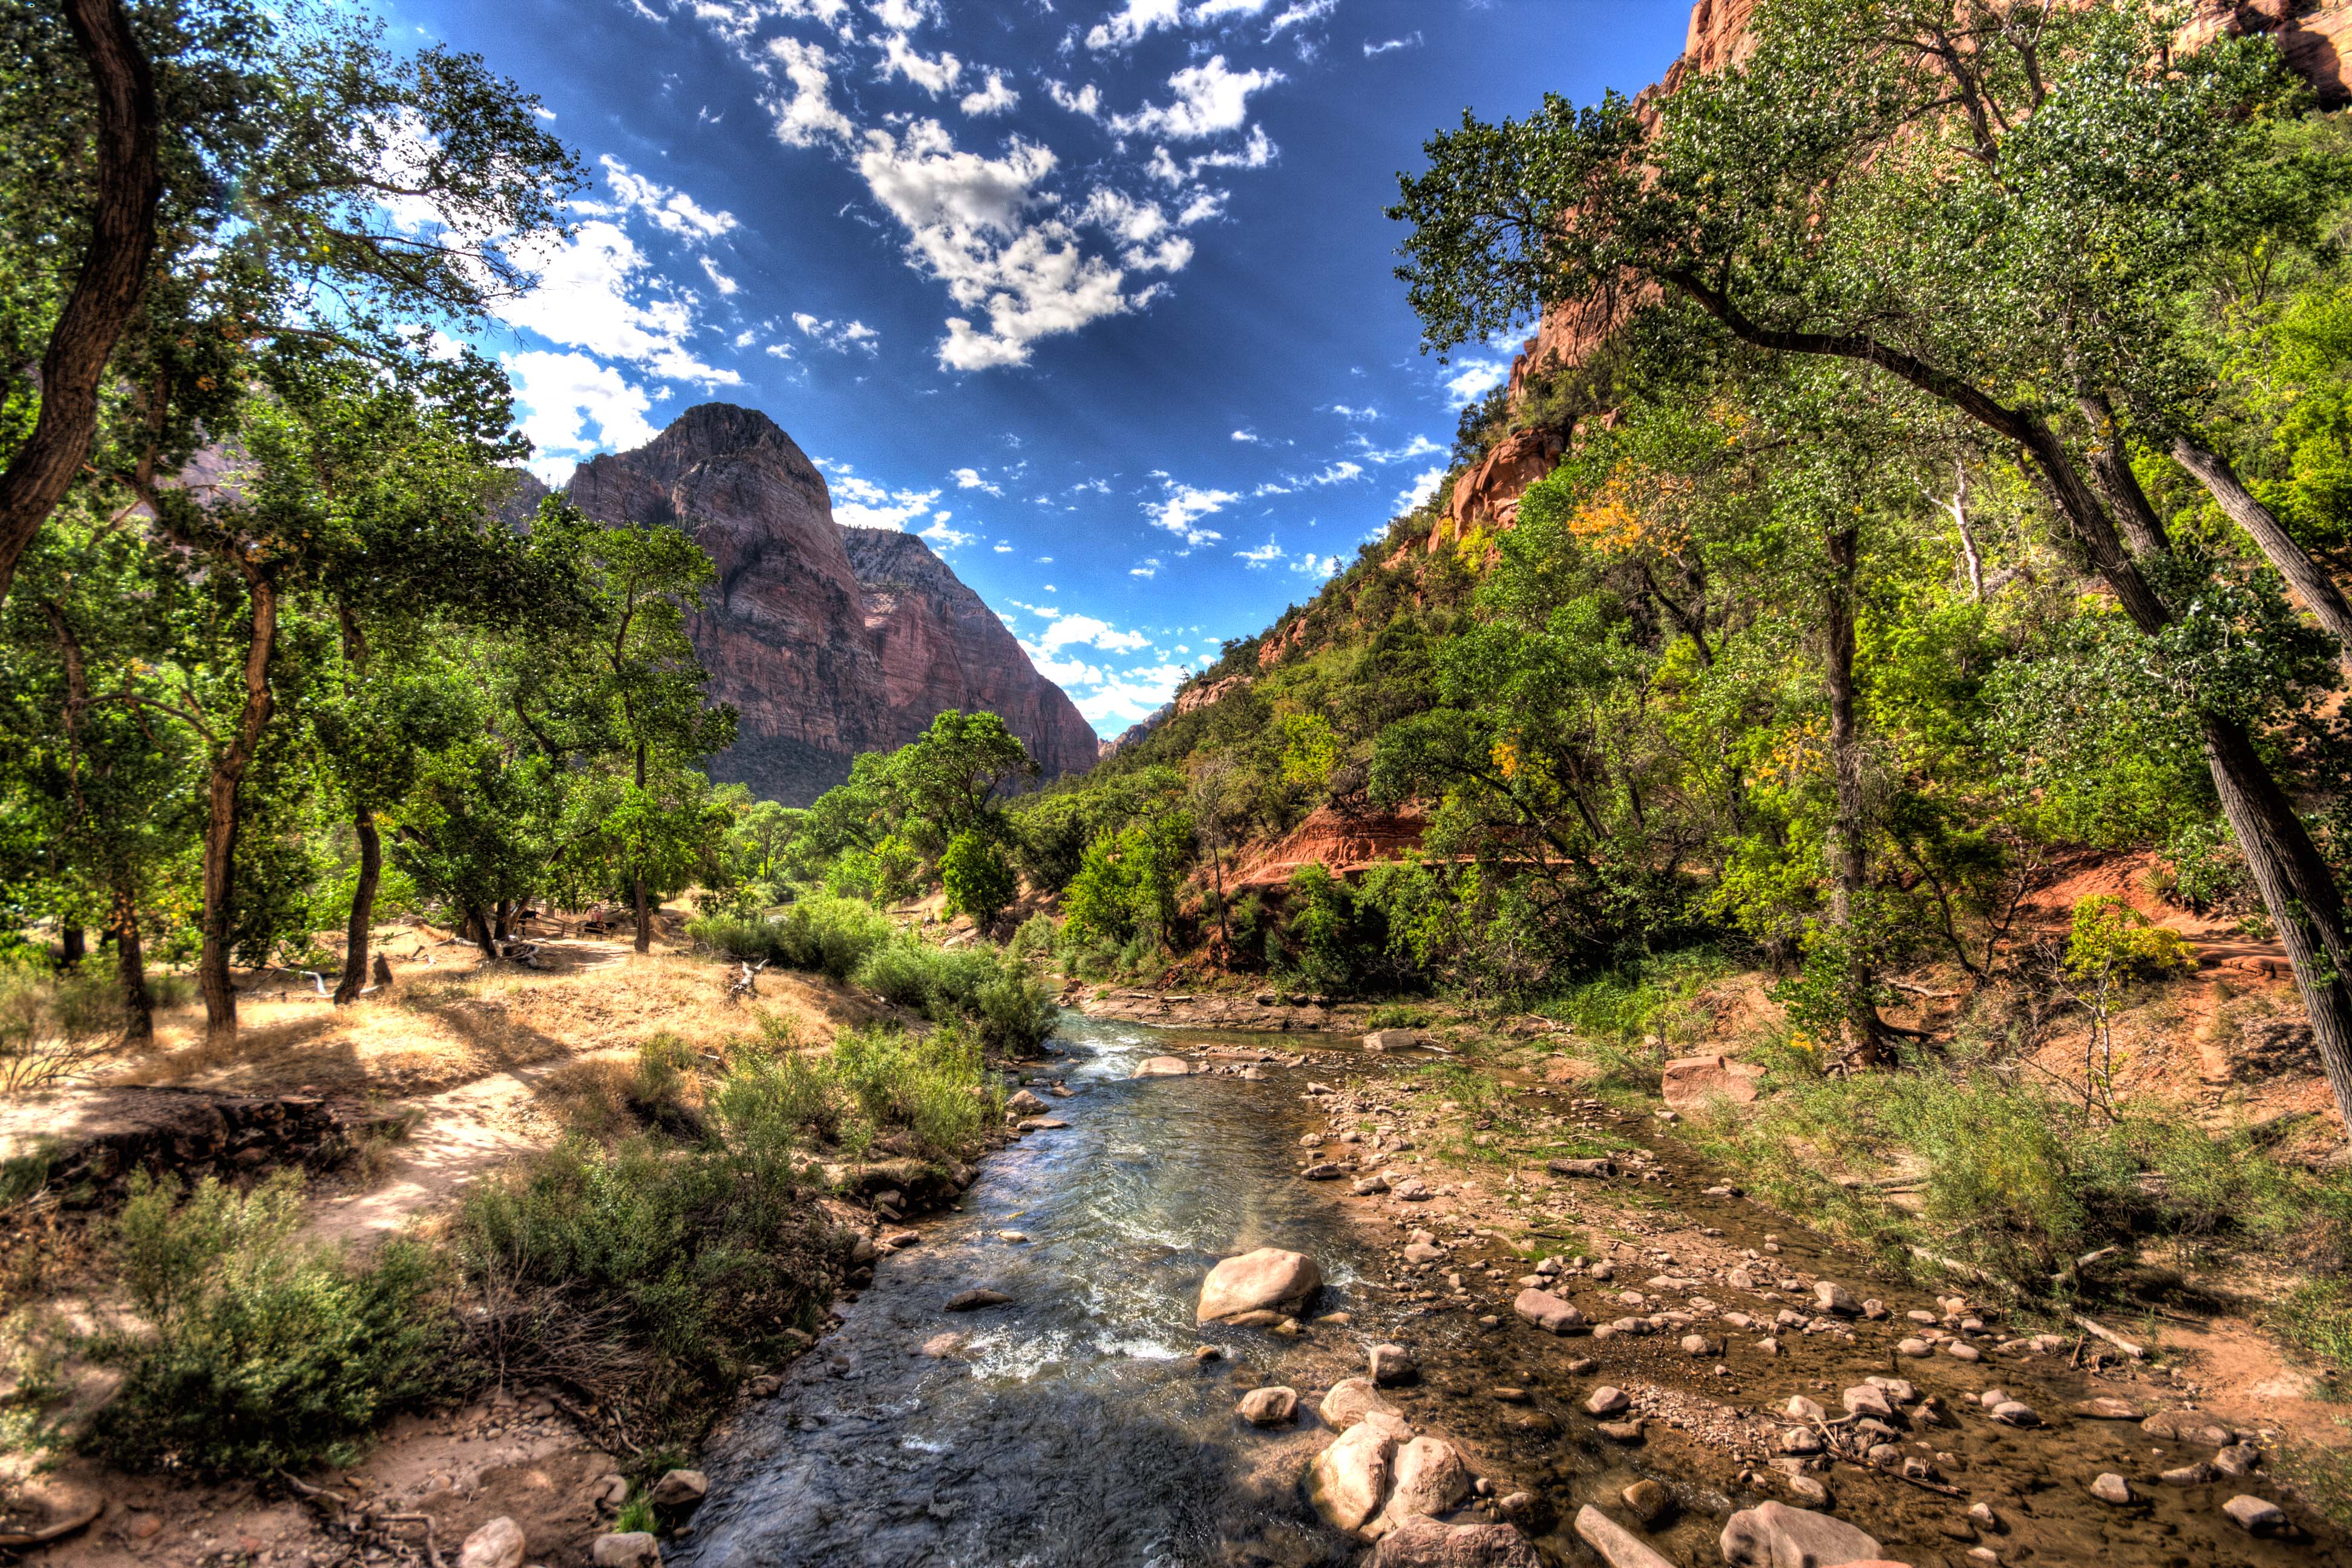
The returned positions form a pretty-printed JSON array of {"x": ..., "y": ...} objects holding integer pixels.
[
  {"x": 1164, "y": 1067},
  {"x": 497, "y": 1545},
  {"x": 1432, "y": 1477},
  {"x": 1267, "y": 1279},
  {"x": 1419, "y": 1542},
  {"x": 1774, "y": 1536},
  {"x": 1548, "y": 1312},
  {"x": 1350, "y": 1400},
  {"x": 1273, "y": 1406},
  {"x": 1618, "y": 1546},
  {"x": 1349, "y": 1480}
]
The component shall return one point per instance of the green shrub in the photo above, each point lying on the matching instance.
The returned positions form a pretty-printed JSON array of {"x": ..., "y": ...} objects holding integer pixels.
[
  {"x": 977, "y": 876},
  {"x": 747, "y": 937},
  {"x": 1035, "y": 939},
  {"x": 832, "y": 936},
  {"x": 897, "y": 972},
  {"x": 260, "y": 1353},
  {"x": 1014, "y": 1014}
]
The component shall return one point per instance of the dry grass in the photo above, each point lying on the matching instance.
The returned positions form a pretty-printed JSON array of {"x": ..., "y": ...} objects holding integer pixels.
[{"x": 458, "y": 1019}]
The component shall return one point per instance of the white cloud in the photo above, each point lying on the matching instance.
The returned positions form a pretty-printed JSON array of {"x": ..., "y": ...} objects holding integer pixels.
[
  {"x": 1299, "y": 15},
  {"x": 803, "y": 107},
  {"x": 969, "y": 479},
  {"x": 1419, "y": 447},
  {"x": 1001, "y": 548},
  {"x": 836, "y": 336},
  {"x": 1131, "y": 22},
  {"x": 860, "y": 503},
  {"x": 1473, "y": 379},
  {"x": 1317, "y": 566},
  {"x": 1086, "y": 100},
  {"x": 943, "y": 536},
  {"x": 1339, "y": 472},
  {"x": 1251, "y": 436},
  {"x": 560, "y": 395},
  {"x": 1410, "y": 41},
  {"x": 1344, "y": 412},
  {"x": 1254, "y": 154},
  {"x": 994, "y": 99},
  {"x": 1087, "y": 632},
  {"x": 718, "y": 280},
  {"x": 1423, "y": 486},
  {"x": 592, "y": 294},
  {"x": 1268, "y": 551},
  {"x": 899, "y": 57},
  {"x": 1130, "y": 696},
  {"x": 1211, "y": 99},
  {"x": 1137, "y": 223},
  {"x": 1148, "y": 567},
  {"x": 674, "y": 212},
  {"x": 1184, "y": 508}
]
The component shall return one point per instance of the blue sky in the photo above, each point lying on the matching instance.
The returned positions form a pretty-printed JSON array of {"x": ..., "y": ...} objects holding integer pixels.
[{"x": 1095, "y": 294}]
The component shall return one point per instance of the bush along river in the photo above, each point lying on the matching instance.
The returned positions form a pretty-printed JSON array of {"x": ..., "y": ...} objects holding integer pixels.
[{"x": 1679, "y": 1378}]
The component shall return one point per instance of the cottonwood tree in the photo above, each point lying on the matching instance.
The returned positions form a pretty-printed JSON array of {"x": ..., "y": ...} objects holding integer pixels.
[{"x": 1991, "y": 202}]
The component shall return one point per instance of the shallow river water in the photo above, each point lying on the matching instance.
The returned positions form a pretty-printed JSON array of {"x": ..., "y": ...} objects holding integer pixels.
[{"x": 1074, "y": 1426}]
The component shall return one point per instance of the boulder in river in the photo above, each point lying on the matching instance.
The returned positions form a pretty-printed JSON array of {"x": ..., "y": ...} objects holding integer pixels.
[
  {"x": 1774, "y": 1536},
  {"x": 1431, "y": 1478},
  {"x": 1392, "y": 1363},
  {"x": 1164, "y": 1067},
  {"x": 629, "y": 1549},
  {"x": 1025, "y": 1104},
  {"x": 1349, "y": 1480},
  {"x": 1272, "y": 1406},
  {"x": 1419, "y": 1542},
  {"x": 678, "y": 1489},
  {"x": 1618, "y": 1546},
  {"x": 2256, "y": 1515},
  {"x": 1350, "y": 1400},
  {"x": 1547, "y": 1311},
  {"x": 973, "y": 1300},
  {"x": 1266, "y": 1279}
]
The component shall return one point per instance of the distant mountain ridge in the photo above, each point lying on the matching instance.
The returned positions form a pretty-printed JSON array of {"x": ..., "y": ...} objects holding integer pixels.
[{"x": 828, "y": 641}]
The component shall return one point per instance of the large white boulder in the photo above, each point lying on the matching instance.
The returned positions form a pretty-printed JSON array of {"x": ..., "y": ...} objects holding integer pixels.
[
  {"x": 1350, "y": 1480},
  {"x": 1774, "y": 1536},
  {"x": 1268, "y": 1280},
  {"x": 497, "y": 1545}
]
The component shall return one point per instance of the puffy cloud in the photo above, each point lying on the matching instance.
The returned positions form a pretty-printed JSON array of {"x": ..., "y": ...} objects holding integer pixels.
[
  {"x": 860, "y": 503},
  {"x": 803, "y": 103},
  {"x": 1087, "y": 632},
  {"x": 593, "y": 293},
  {"x": 1339, "y": 472},
  {"x": 1317, "y": 566},
  {"x": 969, "y": 479},
  {"x": 1182, "y": 511},
  {"x": 1268, "y": 551},
  {"x": 1130, "y": 696},
  {"x": 1299, "y": 14},
  {"x": 1344, "y": 412},
  {"x": 1419, "y": 447},
  {"x": 1254, "y": 154},
  {"x": 1473, "y": 379},
  {"x": 1211, "y": 99},
  {"x": 561, "y": 395},
  {"x": 718, "y": 280},
  {"x": 941, "y": 536},
  {"x": 674, "y": 212},
  {"x": 1132, "y": 21},
  {"x": 1423, "y": 486},
  {"x": 1086, "y": 100},
  {"x": 899, "y": 57},
  {"x": 1148, "y": 567},
  {"x": 994, "y": 99},
  {"x": 836, "y": 336},
  {"x": 1250, "y": 436},
  {"x": 1138, "y": 224}
]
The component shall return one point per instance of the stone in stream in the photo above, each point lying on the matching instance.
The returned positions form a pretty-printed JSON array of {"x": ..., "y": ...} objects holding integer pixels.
[
  {"x": 1582, "y": 1167},
  {"x": 2236, "y": 1460},
  {"x": 1371, "y": 1185},
  {"x": 1863, "y": 1399},
  {"x": 1413, "y": 1189},
  {"x": 1422, "y": 1252},
  {"x": 1547, "y": 1311},
  {"x": 939, "y": 1347},
  {"x": 973, "y": 1300},
  {"x": 1774, "y": 1536},
  {"x": 629, "y": 1549},
  {"x": 1323, "y": 1170},
  {"x": 1959, "y": 1351},
  {"x": 1832, "y": 1297},
  {"x": 497, "y": 1545},
  {"x": 2254, "y": 1515},
  {"x": 2015, "y": 1413},
  {"x": 1419, "y": 1542},
  {"x": 1607, "y": 1401},
  {"x": 1915, "y": 1347},
  {"x": 1392, "y": 1363},
  {"x": 1025, "y": 1104},
  {"x": 2181, "y": 1426},
  {"x": 2111, "y": 1488},
  {"x": 1275, "y": 1407},
  {"x": 1164, "y": 1067},
  {"x": 1697, "y": 1344},
  {"x": 1264, "y": 1279},
  {"x": 1431, "y": 1478},
  {"x": 1649, "y": 1500},
  {"x": 1617, "y": 1545},
  {"x": 679, "y": 1489},
  {"x": 1348, "y": 1481},
  {"x": 2195, "y": 1475},
  {"x": 1350, "y": 1400}
]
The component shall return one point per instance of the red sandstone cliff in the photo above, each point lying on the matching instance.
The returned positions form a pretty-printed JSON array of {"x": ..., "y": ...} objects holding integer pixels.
[{"x": 828, "y": 640}]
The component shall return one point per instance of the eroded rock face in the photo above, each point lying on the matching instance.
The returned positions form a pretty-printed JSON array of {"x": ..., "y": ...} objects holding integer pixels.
[{"x": 828, "y": 640}]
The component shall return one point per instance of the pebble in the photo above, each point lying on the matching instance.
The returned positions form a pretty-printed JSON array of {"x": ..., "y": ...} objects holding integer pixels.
[
  {"x": 2254, "y": 1515},
  {"x": 1915, "y": 1347},
  {"x": 1607, "y": 1401},
  {"x": 1272, "y": 1406},
  {"x": 1959, "y": 1351},
  {"x": 2112, "y": 1487},
  {"x": 1392, "y": 1363}
]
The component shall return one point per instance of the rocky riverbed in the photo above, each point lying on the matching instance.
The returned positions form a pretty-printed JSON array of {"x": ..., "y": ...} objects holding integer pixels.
[{"x": 1610, "y": 1356}]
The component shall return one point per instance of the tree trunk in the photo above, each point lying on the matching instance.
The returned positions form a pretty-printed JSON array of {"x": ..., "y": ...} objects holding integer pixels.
[
  {"x": 106, "y": 294},
  {"x": 477, "y": 926},
  {"x": 362, "y": 918},
  {"x": 645, "y": 916},
  {"x": 1847, "y": 849},
  {"x": 130, "y": 969},
  {"x": 222, "y": 814},
  {"x": 2311, "y": 585},
  {"x": 2112, "y": 468},
  {"x": 73, "y": 944}
]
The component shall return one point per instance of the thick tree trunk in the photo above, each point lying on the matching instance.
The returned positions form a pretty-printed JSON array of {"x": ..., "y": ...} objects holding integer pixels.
[
  {"x": 131, "y": 970},
  {"x": 2112, "y": 468},
  {"x": 363, "y": 917},
  {"x": 477, "y": 926},
  {"x": 2311, "y": 585},
  {"x": 74, "y": 945},
  {"x": 106, "y": 294},
  {"x": 224, "y": 811}
]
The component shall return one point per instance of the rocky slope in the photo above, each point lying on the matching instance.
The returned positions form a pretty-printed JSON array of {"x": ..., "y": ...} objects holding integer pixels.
[{"x": 828, "y": 641}]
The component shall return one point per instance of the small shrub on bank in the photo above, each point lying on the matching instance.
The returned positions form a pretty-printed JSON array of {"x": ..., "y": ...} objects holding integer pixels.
[
  {"x": 827, "y": 934},
  {"x": 259, "y": 1353}
]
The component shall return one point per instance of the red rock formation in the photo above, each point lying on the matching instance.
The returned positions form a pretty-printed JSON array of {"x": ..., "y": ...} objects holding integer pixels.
[
  {"x": 1327, "y": 838},
  {"x": 1488, "y": 494},
  {"x": 1201, "y": 695},
  {"x": 820, "y": 666}
]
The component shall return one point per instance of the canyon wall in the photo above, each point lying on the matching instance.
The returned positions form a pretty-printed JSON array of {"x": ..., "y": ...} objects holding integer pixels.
[{"x": 828, "y": 640}]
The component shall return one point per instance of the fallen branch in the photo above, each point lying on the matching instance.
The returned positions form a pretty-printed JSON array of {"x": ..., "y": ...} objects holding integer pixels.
[
  {"x": 2137, "y": 1353},
  {"x": 432, "y": 1546}
]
